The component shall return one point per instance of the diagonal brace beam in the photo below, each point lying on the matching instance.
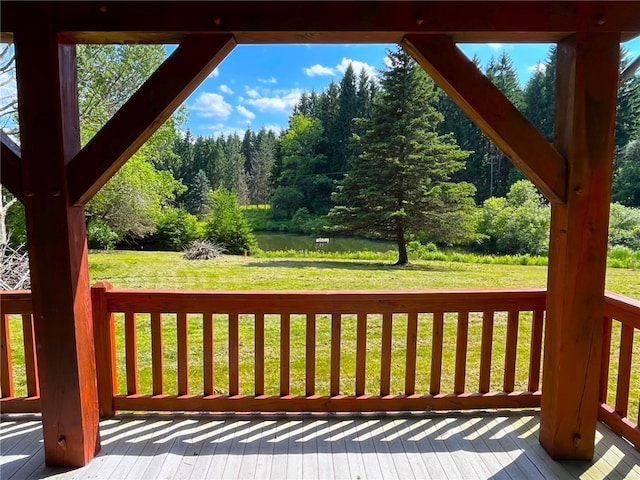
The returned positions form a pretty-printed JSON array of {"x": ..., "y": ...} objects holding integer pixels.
[
  {"x": 496, "y": 116},
  {"x": 11, "y": 166},
  {"x": 144, "y": 113}
]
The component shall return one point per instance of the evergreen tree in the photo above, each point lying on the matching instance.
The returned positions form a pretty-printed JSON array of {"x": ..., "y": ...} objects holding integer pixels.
[
  {"x": 260, "y": 179},
  {"x": 197, "y": 197},
  {"x": 398, "y": 185},
  {"x": 347, "y": 111}
]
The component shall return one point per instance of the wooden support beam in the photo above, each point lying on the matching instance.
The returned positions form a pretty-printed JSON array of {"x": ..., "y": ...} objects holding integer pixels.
[
  {"x": 56, "y": 239},
  {"x": 169, "y": 86},
  {"x": 586, "y": 82},
  {"x": 487, "y": 106},
  {"x": 380, "y": 21},
  {"x": 10, "y": 167}
]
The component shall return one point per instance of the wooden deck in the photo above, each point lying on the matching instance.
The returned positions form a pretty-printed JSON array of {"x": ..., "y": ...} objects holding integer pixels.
[{"x": 469, "y": 445}]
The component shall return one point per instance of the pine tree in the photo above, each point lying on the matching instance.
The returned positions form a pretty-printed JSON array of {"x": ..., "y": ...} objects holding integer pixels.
[
  {"x": 197, "y": 198},
  {"x": 398, "y": 185}
]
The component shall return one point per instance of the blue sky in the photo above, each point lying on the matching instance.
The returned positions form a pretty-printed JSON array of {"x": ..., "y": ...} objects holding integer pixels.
[{"x": 258, "y": 85}]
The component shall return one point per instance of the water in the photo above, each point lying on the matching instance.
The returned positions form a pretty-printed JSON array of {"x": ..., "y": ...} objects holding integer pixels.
[{"x": 285, "y": 241}]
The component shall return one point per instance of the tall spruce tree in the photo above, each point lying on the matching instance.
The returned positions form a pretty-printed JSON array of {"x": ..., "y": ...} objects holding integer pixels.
[{"x": 399, "y": 184}]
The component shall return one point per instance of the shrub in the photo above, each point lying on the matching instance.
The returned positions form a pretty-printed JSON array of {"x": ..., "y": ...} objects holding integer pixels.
[
  {"x": 176, "y": 228},
  {"x": 100, "y": 236},
  {"x": 624, "y": 226},
  {"x": 226, "y": 225},
  {"x": 202, "y": 250}
]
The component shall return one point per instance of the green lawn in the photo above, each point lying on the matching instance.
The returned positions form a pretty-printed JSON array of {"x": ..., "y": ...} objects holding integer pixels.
[{"x": 152, "y": 270}]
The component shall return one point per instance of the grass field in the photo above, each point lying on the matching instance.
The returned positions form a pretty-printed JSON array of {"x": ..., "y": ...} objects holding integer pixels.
[{"x": 151, "y": 270}]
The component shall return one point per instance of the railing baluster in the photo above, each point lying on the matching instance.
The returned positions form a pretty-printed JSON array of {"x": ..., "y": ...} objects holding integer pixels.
[
  {"x": 436, "y": 353},
  {"x": 183, "y": 354},
  {"x": 624, "y": 369},
  {"x": 412, "y": 339},
  {"x": 535, "y": 354},
  {"x": 336, "y": 324},
  {"x": 234, "y": 352},
  {"x": 311, "y": 355},
  {"x": 207, "y": 352},
  {"x": 157, "y": 362},
  {"x": 486, "y": 348},
  {"x": 131, "y": 352},
  {"x": 461, "y": 352},
  {"x": 361, "y": 353},
  {"x": 105, "y": 344},
  {"x": 30, "y": 362},
  {"x": 385, "y": 357},
  {"x": 511, "y": 352},
  {"x": 285, "y": 353},
  {"x": 606, "y": 359},
  {"x": 259, "y": 354},
  {"x": 6, "y": 366}
]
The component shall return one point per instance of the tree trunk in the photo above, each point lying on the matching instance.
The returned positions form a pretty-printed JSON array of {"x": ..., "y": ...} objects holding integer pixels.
[{"x": 403, "y": 259}]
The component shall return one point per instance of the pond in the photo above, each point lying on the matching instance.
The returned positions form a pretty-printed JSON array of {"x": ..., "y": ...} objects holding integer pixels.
[{"x": 269, "y": 241}]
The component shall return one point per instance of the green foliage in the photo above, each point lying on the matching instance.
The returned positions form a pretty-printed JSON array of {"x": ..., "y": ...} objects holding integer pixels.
[
  {"x": 399, "y": 184},
  {"x": 626, "y": 179},
  {"x": 517, "y": 224},
  {"x": 305, "y": 222},
  {"x": 15, "y": 224},
  {"x": 624, "y": 227},
  {"x": 100, "y": 236},
  {"x": 176, "y": 228},
  {"x": 227, "y": 225}
]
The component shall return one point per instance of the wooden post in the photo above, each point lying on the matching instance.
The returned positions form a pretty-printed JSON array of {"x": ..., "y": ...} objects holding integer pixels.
[
  {"x": 587, "y": 79},
  {"x": 105, "y": 348},
  {"x": 56, "y": 239}
]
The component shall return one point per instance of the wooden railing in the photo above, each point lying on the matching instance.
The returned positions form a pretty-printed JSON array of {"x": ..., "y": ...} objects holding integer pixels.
[
  {"x": 16, "y": 308},
  {"x": 291, "y": 351},
  {"x": 621, "y": 319}
]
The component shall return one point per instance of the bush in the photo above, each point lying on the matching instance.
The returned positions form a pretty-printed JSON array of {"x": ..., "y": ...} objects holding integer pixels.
[
  {"x": 624, "y": 226},
  {"x": 202, "y": 250},
  {"x": 226, "y": 225},
  {"x": 100, "y": 236},
  {"x": 176, "y": 229}
]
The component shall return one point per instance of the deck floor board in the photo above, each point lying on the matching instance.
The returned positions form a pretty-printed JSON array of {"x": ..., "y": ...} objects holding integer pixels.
[{"x": 496, "y": 445}]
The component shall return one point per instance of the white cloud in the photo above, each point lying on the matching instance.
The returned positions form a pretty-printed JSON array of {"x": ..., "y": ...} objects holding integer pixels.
[
  {"x": 278, "y": 101},
  {"x": 495, "y": 46},
  {"x": 387, "y": 61},
  {"x": 220, "y": 129},
  {"x": 252, "y": 92},
  {"x": 277, "y": 129},
  {"x": 245, "y": 112},
  {"x": 318, "y": 70},
  {"x": 225, "y": 89},
  {"x": 357, "y": 66},
  {"x": 538, "y": 67},
  {"x": 267, "y": 80},
  {"x": 211, "y": 105},
  {"x": 215, "y": 73}
]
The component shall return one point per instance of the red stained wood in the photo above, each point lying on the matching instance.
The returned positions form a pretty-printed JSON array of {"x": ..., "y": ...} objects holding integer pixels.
[
  {"x": 15, "y": 302},
  {"x": 50, "y": 137},
  {"x": 510, "y": 352},
  {"x": 606, "y": 356},
  {"x": 587, "y": 78},
  {"x": 385, "y": 357},
  {"x": 285, "y": 353},
  {"x": 153, "y": 103},
  {"x": 30, "y": 360},
  {"x": 486, "y": 347},
  {"x": 361, "y": 353},
  {"x": 131, "y": 352},
  {"x": 336, "y": 324},
  {"x": 621, "y": 425},
  {"x": 310, "y": 375},
  {"x": 20, "y": 405},
  {"x": 494, "y": 114},
  {"x": 461, "y": 352},
  {"x": 316, "y": 403},
  {"x": 183, "y": 354},
  {"x": 157, "y": 354},
  {"x": 623, "y": 309},
  {"x": 327, "y": 301},
  {"x": 436, "y": 352},
  {"x": 330, "y": 22},
  {"x": 11, "y": 166},
  {"x": 103, "y": 330},
  {"x": 259, "y": 354},
  {"x": 234, "y": 353},
  {"x": 6, "y": 365},
  {"x": 624, "y": 370},
  {"x": 535, "y": 354},
  {"x": 207, "y": 352},
  {"x": 412, "y": 339}
]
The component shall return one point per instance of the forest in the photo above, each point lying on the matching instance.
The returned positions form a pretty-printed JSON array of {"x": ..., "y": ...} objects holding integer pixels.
[{"x": 387, "y": 156}]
